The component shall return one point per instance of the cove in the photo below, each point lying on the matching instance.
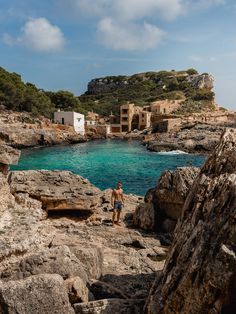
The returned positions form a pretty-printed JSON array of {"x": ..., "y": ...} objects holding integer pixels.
[{"x": 104, "y": 162}]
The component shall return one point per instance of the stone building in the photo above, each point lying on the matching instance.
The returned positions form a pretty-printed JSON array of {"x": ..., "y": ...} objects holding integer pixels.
[
  {"x": 144, "y": 120},
  {"x": 165, "y": 106},
  {"x": 72, "y": 118},
  {"x": 167, "y": 125},
  {"x": 129, "y": 117}
]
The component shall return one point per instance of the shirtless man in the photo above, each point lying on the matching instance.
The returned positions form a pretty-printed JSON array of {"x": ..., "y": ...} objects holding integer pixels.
[{"x": 117, "y": 202}]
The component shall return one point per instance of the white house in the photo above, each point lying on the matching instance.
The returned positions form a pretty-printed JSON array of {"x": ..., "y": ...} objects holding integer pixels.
[{"x": 74, "y": 119}]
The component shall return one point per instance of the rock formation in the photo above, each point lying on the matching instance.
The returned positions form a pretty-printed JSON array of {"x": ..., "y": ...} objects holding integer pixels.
[
  {"x": 200, "y": 271},
  {"x": 201, "y": 81},
  {"x": 54, "y": 260},
  {"x": 198, "y": 138},
  {"x": 164, "y": 204},
  {"x": 57, "y": 190},
  {"x": 20, "y": 130},
  {"x": 8, "y": 156}
]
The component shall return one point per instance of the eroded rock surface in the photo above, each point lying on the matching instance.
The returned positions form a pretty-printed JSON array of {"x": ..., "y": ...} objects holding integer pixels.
[
  {"x": 200, "y": 271},
  {"x": 48, "y": 250},
  {"x": 57, "y": 190},
  {"x": 164, "y": 204},
  {"x": 37, "y": 294},
  {"x": 22, "y": 130}
]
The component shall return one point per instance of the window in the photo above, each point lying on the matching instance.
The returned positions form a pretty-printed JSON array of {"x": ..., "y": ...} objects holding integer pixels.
[{"x": 62, "y": 120}]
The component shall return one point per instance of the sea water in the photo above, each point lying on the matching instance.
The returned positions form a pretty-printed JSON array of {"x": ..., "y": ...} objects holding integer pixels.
[{"x": 104, "y": 162}]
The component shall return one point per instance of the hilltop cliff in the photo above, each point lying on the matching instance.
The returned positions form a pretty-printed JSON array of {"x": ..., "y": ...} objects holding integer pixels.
[{"x": 108, "y": 93}]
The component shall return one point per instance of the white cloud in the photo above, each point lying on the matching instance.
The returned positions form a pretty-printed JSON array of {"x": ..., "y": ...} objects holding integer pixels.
[
  {"x": 38, "y": 35},
  {"x": 203, "y": 4},
  {"x": 120, "y": 23},
  {"x": 132, "y": 37},
  {"x": 128, "y": 9},
  {"x": 203, "y": 59},
  {"x": 136, "y": 9}
]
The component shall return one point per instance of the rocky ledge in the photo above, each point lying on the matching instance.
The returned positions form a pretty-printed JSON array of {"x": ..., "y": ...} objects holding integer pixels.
[
  {"x": 21, "y": 130},
  {"x": 200, "y": 270},
  {"x": 56, "y": 259},
  {"x": 60, "y": 254}
]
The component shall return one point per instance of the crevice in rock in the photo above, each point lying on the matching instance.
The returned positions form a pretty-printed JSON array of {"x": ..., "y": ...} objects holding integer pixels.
[{"x": 69, "y": 213}]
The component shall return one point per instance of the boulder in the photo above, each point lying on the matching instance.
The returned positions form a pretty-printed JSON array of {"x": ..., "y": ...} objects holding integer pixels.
[
  {"x": 108, "y": 306},
  {"x": 104, "y": 290},
  {"x": 200, "y": 272},
  {"x": 89, "y": 254},
  {"x": 57, "y": 190},
  {"x": 166, "y": 200},
  {"x": 9, "y": 155},
  {"x": 58, "y": 260},
  {"x": 77, "y": 290},
  {"x": 144, "y": 216},
  {"x": 42, "y": 294}
]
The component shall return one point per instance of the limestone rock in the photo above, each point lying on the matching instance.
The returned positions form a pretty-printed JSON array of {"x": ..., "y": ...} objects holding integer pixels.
[
  {"x": 43, "y": 294},
  {"x": 144, "y": 216},
  {"x": 103, "y": 290},
  {"x": 200, "y": 272},
  {"x": 201, "y": 81},
  {"x": 58, "y": 260},
  {"x": 57, "y": 190},
  {"x": 108, "y": 306},
  {"x": 89, "y": 254},
  {"x": 77, "y": 290},
  {"x": 166, "y": 200},
  {"x": 9, "y": 155}
]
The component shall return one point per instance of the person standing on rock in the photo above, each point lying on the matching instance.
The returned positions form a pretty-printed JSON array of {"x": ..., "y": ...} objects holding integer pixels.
[{"x": 117, "y": 202}]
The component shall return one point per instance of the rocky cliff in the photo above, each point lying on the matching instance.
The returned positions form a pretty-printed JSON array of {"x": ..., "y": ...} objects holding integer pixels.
[
  {"x": 200, "y": 272},
  {"x": 111, "y": 83},
  {"x": 108, "y": 93}
]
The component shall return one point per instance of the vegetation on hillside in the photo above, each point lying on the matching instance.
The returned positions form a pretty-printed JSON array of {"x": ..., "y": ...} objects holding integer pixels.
[
  {"x": 141, "y": 89},
  {"x": 144, "y": 88},
  {"x": 19, "y": 96}
]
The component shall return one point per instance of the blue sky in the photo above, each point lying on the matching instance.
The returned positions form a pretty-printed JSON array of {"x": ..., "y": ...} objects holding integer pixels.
[{"x": 63, "y": 44}]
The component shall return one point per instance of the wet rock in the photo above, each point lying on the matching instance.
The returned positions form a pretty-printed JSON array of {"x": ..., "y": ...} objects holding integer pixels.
[
  {"x": 37, "y": 294},
  {"x": 200, "y": 270}
]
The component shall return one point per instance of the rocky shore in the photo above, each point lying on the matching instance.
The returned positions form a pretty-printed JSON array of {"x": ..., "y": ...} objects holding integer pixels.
[
  {"x": 173, "y": 253},
  {"x": 21, "y": 130}
]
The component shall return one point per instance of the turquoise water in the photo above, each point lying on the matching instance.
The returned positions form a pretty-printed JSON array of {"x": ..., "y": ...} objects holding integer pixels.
[{"x": 105, "y": 162}]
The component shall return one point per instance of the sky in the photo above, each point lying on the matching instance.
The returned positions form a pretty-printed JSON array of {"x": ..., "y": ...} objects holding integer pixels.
[{"x": 63, "y": 44}]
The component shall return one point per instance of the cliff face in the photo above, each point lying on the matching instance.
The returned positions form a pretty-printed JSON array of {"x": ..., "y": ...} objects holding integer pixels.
[{"x": 200, "y": 271}]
